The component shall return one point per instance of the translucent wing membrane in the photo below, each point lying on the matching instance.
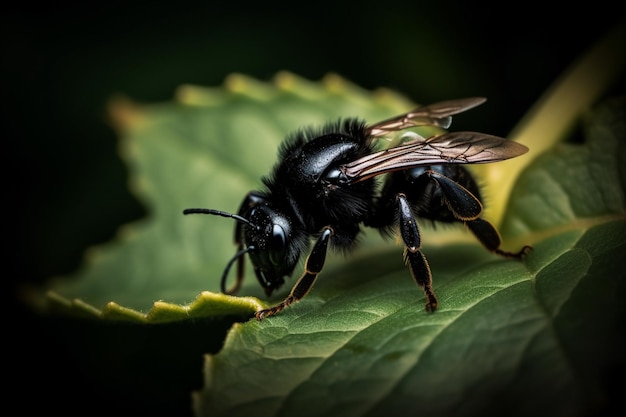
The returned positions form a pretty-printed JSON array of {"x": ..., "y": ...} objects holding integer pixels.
[
  {"x": 449, "y": 148},
  {"x": 438, "y": 114}
]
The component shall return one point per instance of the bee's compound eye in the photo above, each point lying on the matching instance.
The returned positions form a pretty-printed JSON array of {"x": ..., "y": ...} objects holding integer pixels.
[{"x": 278, "y": 245}]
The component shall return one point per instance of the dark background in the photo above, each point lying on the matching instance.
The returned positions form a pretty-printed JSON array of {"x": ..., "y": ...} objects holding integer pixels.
[{"x": 67, "y": 188}]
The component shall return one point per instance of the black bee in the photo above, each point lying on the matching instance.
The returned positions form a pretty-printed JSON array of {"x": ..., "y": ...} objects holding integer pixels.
[{"x": 325, "y": 186}]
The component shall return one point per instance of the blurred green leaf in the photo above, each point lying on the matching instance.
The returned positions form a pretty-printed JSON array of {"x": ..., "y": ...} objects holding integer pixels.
[
  {"x": 207, "y": 149},
  {"x": 572, "y": 185}
]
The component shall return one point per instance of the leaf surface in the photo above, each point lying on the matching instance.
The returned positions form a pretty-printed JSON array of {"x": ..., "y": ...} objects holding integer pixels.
[
  {"x": 539, "y": 337},
  {"x": 535, "y": 336}
]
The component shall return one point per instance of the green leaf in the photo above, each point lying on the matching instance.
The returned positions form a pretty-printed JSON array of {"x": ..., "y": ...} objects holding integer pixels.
[
  {"x": 360, "y": 343},
  {"x": 539, "y": 337},
  {"x": 507, "y": 340},
  {"x": 573, "y": 185},
  {"x": 207, "y": 149}
]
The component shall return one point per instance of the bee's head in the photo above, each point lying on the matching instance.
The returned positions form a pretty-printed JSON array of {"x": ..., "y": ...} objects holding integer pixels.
[
  {"x": 267, "y": 236},
  {"x": 270, "y": 242}
]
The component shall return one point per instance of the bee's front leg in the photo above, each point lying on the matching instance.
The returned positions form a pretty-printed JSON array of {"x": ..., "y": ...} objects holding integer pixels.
[{"x": 313, "y": 266}]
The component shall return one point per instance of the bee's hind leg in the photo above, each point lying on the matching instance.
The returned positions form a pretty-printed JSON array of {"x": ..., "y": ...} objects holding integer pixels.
[
  {"x": 490, "y": 238},
  {"x": 465, "y": 207}
]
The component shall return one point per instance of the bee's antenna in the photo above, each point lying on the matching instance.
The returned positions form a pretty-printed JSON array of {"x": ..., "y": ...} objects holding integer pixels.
[
  {"x": 218, "y": 213},
  {"x": 238, "y": 255}
]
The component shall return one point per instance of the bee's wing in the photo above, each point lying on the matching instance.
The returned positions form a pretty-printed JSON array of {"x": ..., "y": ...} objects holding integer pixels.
[
  {"x": 449, "y": 148},
  {"x": 438, "y": 114}
]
